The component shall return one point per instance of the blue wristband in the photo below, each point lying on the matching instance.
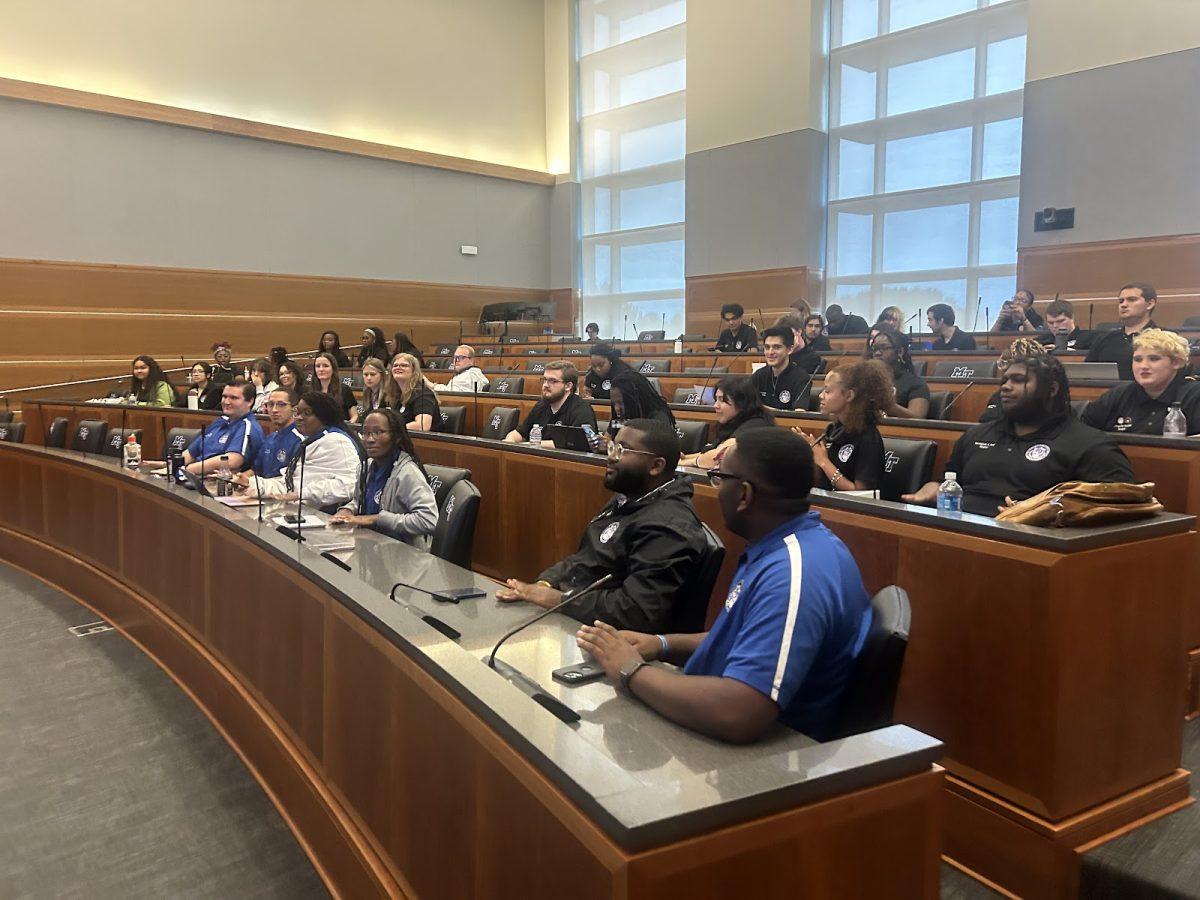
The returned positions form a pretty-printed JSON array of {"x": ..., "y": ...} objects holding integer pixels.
[{"x": 662, "y": 640}]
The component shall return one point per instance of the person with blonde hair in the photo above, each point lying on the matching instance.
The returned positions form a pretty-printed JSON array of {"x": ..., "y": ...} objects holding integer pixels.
[
  {"x": 1140, "y": 406},
  {"x": 417, "y": 404},
  {"x": 849, "y": 455},
  {"x": 379, "y": 389}
]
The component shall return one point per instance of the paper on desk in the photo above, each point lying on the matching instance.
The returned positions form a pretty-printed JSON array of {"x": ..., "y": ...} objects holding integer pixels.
[{"x": 238, "y": 500}]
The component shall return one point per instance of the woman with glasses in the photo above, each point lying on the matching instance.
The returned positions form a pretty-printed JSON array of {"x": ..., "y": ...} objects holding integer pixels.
[
  {"x": 738, "y": 408},
  {"x": 205, "y": 391},
  {"x": 911, "y": 398},
  {"x": 393, "y": 495},
  {"x": 417, "y": 404},
  {"x": 849, "y": 455}
]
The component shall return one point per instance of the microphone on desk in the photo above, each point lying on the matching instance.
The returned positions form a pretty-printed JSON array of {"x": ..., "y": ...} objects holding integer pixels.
[
  {"x": 707, "y": 378},
  {"x": 1091, "y": 310},
  {"x": 570, "y": 596},
  {"x": 950, "y": 405},
  {"x": 300, "y": 494},
  {"x": 258, "y": 490},
  {"x": 975, "y": 324},
  {"x": 625, "y": 328}
]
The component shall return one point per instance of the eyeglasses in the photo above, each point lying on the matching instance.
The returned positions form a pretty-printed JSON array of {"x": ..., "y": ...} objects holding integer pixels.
[
  {"x": 616, "y": 451},
  {"x": 715, "y": 476},
  {"x": 277, "y": 404},
  {"x": 552, "y": 381},
  {"x": 374, "y": 433},
  {"x": 457, "y": 357}
]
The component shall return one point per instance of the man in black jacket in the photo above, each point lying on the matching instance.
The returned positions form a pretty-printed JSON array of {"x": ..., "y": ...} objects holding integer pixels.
[
  {"x": 737, "y": 336},
  {"x": 838, "y": 322},
  {"x": 647, "y": 537}
]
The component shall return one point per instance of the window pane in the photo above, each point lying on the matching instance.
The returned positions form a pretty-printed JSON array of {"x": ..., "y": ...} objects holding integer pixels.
[
  {"x": 907, "y": 13},
  {"x": 994, "y": 291},
  {"x": 928, "y": 160},
  {"x": 860, "y": 20},
  {"x": 653, "y": 145},
  {"x": 643, "y": 23},
  {"x": 931, "y": 82},
  {"x": 654, "y": 204},
  {"x": 998, "y": 232},
  {"x": 654, "y": 82},
  {"x": 918, "y": 296},
  {"x": 601, "y": 217},
  {"x": 856, "y": 169},
  {"x": 854, "y": 244},
  {"x": 651, "y": 267},
  {"x": 1002, "y": 148},
  {"x": 601, "y": 268},
  {"x": 1006, "y": 65},
  {"x": 858, "y": 96},
  {"x": 932, "y": 238}
]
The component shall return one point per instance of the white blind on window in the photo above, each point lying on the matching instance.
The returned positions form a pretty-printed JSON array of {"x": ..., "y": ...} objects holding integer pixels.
[
  {"x": 632, "y": 81},
  {"x": 925, "y": 154}
]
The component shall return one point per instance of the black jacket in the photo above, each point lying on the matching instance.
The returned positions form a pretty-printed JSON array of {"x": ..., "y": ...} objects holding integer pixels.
[{"x": 652, "y": 546}]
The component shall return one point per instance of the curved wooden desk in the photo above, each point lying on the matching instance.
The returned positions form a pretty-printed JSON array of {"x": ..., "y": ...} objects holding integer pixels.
[{"x": 406, "y": 766}]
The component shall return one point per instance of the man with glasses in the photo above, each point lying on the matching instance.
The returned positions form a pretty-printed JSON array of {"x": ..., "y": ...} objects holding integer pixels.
[
  {"x": 737, "y": 336},
  {"x": 280, "y": 445},
  {"x": 647, "y": 537},
  {"x": 468, "y": 377},
  {"x": 794, "y": 621},
  {"x": 560, "y": 405}
]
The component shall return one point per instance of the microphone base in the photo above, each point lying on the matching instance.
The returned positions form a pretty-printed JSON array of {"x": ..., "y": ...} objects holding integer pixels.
[{"x": 535, "y": 692}]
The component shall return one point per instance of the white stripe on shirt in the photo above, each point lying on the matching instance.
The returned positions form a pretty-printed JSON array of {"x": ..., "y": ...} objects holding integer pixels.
[
  {"x": 785, "y": 646},
  {"x": 245, "y": 438}
]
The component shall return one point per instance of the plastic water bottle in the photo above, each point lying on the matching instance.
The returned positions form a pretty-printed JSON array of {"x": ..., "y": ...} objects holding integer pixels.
[
  {"x": 535, "y": 435},
  {"x": 678, "y": 345},
  {"x": 949, "y": 498},
  {"x": 1175, "y": 424},
  {"x": 133, "y": 453},
  {"x": 224, "y": 475}
]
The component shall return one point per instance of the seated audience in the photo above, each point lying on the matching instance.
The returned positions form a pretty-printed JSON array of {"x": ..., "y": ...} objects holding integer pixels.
[
  {"x": 418, "y": 404},
  {"x": 807, "y": 358},
  {"x": 1029, "y": 346},
  {"x": 1134, "y": 305},
  {"x": 374, "y": 346},
  {"x": 262, "y": 376},
  {"x": 606, "y": 365},
  {"x": 280, "y": 445},
  {"x": 235, "y": 434},
  {"x": 910, "y": 399},
  {"x": 221, "y": 371},
  {"x": 849, "y": 455},
  {"x": 401, "y": 343},
  {"x": 149, "y": 384},
  {"x": 940, "y": 317},
  {"x": 1018, "y": 314},
  {"x": 325, "y": 465},
  {"x": 737, "y": 336},
  {"x": 206, "y": 391},
  {"x": 331, "y": 343},
  {"x": 647, "y": 537},
  {"x": 393, "y": 495},
  {"x": 839, "y": 323},
  {"x": 591, "y": 333},
  {"x": 784, "y": 644},
  {"x": 814, "y": 333},
  {"x": 468, "y": 377},
  {"x": 893, "y": 316},
  {"x": 781, "y": 383},
  {"x": 327, "y": 379},
  {"x": 1035, "y": 444},
  {"x": 1064, "y": 333},
  {"x": 379, "y": 390},
  {"x": 560, "y": 405},
  {"x": 633, "y": 397},
  {"x": 291, "y": 375},
  {"x": 738, "y": 409},
  {"x": 1141, "y": 405}
]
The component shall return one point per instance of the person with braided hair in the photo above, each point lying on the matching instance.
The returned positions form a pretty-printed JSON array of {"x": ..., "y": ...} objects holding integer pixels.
[{"x": 1029, "y": 346}]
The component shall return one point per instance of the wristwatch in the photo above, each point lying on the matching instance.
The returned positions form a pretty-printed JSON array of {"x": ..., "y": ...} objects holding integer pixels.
[{"x": 629, "y": 670}]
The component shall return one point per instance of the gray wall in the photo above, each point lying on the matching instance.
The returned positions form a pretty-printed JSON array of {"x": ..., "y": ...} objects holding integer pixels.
[
  {"x": 1119, "y": 143},
  {"x": 757, "y": 205},
  {"x": 87, "y": 187}
]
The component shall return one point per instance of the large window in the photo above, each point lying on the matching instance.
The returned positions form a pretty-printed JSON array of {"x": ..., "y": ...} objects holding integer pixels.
[
  {"x": 631, "y": 87},
  {"x": 925, "y": 155}
]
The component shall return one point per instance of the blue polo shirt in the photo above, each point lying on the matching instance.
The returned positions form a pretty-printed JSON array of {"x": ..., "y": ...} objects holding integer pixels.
[
  {"x": 277, "y": 451},
  {"x": 794, "y": 621},
  {"x": 223, "y": 436}
]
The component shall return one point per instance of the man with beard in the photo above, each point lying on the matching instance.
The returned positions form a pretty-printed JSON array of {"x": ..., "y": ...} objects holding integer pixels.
[
  {"x": 647, "y": 537},
  {"x": 783, "y": 647},
  {"x": 560, "y": 404},
  {"x": 1034, "y": 444}
]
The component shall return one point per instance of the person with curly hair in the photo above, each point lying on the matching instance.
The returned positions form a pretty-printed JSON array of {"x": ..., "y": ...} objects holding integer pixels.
[
  {"x": 849, "y": 455},
  {"x": 1021, "y": 347}
]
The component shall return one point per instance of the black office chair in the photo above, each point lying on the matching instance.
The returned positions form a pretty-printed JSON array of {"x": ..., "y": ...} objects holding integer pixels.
[
  {"x": 433, "y": 364},
  {"x": 907, "y": 465},
  {"x": 178, "y": 440},
  {"x": 454, "y": 535},
  {"x": 652, "y": 335},
  {"x": 114, "y": 446},
  {"x": 536, "y": 366},
  {"x": 56, "y": 434},
  {"x": 537, "y": 350},
  {"x": 938, "y": 401},
  {"x": 488, "y": 351},
  {"x": 444, "y": 350},
  {"x": 692, "y": 435},
  {"x": 514, "y": 384},
  {"x": 1191, "y": 322},
  {"x": 654, "y": 383},
  {"x": 814, "y": 397},
  {"x": 966, "y": 371},
  {"x": 920, "y": 366},
  {"x": 443, "y": 478},
  {"x": 653, "y": 366},
  {"x": 693, "y": 337},
  {"x": 502, "y": 420},
  {"x": 89, "y": 436},
  {"x": 870, "y": 696},
  {"x": 689, "y": 615},
  {"x": 6, "y": 416},
  {"x": 1078, "y": 407},
  {"x": 454, "y": 419},
  {"x": 353, "y": 380},
  {"x": 12, "y": 432},
  {"x": 689, "y": 396},
  {"x": 705, "y": 370}
]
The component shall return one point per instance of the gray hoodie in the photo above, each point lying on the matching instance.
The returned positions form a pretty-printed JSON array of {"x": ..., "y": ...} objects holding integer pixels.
[{"x": 407, "y": 508}]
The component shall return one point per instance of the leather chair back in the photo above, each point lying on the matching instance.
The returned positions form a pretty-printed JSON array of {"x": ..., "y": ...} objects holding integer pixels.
[
  {"x": 89, "y": 436},
  {"x": 500, "y": 422},
  {"x": 434, "y": 364},
  {"x": 12, "y": 432},
  {"x": 689, "y": 396},
  {"x": 178, "y": 439},
  {"x": 688, "y": 617},
  {"x": 114, "y": 445},
  {"x": 692, "y": 435},
  {"x": 6, "y": 416},
  {"x": 965, "y": 371},
  {"x": 454, "y": 419},
  {"x": 938, "y": 401},
  {"x": 454, "y": 535},
  {"x": 537, "y": 350},
  {"x": 652, "y": 335},
  {"x": 538, "y": 366},
  {"x": 509, "y": 384},
  {"x": 704, "y": 370},
  {"x": 654, "y": 383},
  {"x": 653, "y": 366},
  {"x": 443, "y": 478},
  {"x": 907, "y": 465},
  {"x": 1078, "y": 407},
  {"x": 353, "y": 379},
  {"x": 56, "y": 434},
  {"x": 870, "y": 695}
]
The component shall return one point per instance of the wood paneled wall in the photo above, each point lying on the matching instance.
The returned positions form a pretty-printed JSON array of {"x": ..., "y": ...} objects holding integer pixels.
[{"x": 769, "y": 290}]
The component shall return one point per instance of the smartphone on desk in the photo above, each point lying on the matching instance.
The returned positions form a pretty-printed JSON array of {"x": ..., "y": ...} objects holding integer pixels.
[
  {"x": 580, "y": 673},
  {"x": 293, "y": 519}
]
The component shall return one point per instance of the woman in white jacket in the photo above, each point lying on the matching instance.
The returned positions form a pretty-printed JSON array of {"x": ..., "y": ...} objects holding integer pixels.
[{"x": 327, "y": 464}]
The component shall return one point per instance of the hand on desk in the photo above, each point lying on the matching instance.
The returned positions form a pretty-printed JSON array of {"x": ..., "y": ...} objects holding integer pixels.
[
  {"x": 611, "y": 648},
  {"x": 541, "y": 594},
  {"x": 345, "y": 517}
]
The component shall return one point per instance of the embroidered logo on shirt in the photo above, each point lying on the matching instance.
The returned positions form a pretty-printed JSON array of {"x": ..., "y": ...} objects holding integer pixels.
[
  {"x": 1124, "y": 423},
  {"x": 378, "y": 496},
  {"x": 223, "y": 439},
  {"x": 734, "y": 593},
  {"x": 1037, "y": 452},
  {"x": 785, "y": 396},
  {"x": 738, "y": 345},
  {"x": 846, "y": 452},
  {"x": 606, "y": 385},
  {"x": 281, "y": 455},
  {"x": 985, "y": 445},
  {"x": 607, "y": 533}
]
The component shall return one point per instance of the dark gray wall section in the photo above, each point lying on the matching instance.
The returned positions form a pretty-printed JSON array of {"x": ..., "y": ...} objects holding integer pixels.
[
  {"x": 564, "y": 235},
  {"x": 757, "y": 205},
  {"x": 1121, "y": 144},
  {"x": 88, "y": 187}
]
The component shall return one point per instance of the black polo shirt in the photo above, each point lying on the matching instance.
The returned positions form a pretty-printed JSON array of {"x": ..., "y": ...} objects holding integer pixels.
[
  {"x": 807, "y": 359},
  {"x": 909, "y": 386},
  {"x": 1128, "y": 409},
  {"x": 859, "y": 457},
  {"x": 1116, "y": 346},
  {"x": 423, "y": 402},
  {"x": 820, "y": 342},
  {"x": 750, "y": 424},
  {"x": 788, "y": 390},
  {"x": 575, "y": 412},
  {"x": 992, "y": 462},
  {"x": 1078, "y": 339},
  {"x": 851, "y": 324},
  {"x": 960, "y": 340},
  {"x": 745, "y": 339},
  {"x": 599, "y": 387}
]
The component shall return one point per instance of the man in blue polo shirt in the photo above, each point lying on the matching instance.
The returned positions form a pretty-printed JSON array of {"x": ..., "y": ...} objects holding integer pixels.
[
  {"x": 794, "y": 621},
  {"x": 280, "y": 445},
  {"x": 236, "y": 434}
]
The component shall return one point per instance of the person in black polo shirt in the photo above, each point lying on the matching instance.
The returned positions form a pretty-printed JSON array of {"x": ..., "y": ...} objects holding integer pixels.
[
  {"x": 802, "y": 355},
  {"x": 606, "y": 365},
  {"x": 911, "y": 397},
  {"x": 1025, "y": 346},
  {"x": 814, "y": 333},
  {"x": 940, "y": 317},
  {"x": 1140, "y": 406},
  {"x": 559, "y": 404},
  {"x": 1035, "y": 444},
  {"x": 1064, "y": 334},
  {"x": 841, "y": 323},
  {"x": 781, "y": 383},
  {"x": 1018, "y": 314},
  {"x": 1134, "y": 306},
  {"x": 737, "y": 336},
  {"x": 737, "y": 408},
  {"x": 849, "y": 455}
]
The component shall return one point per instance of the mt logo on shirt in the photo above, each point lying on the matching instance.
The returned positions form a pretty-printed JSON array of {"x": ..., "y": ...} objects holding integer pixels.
[
  {"x": 1037, "y": 452},
  {"x": 846, "y": 452},
  {"x": 785, "y": 396},
  {"x": 607, "y": 533}
]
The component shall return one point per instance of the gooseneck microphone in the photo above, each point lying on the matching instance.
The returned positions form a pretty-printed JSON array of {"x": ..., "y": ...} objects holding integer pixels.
[
  {"x": 570, "y": 596},
  {"x": 707, "y": 378},
  {"x": 950, "y": 405},
  {"x": 258, "y": 490},
  {"x": 975, "y": 324},
  {"x": 300, "y": 496}
]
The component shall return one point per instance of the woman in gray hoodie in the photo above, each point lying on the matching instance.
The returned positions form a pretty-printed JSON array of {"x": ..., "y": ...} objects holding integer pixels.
[{"x": 393, "y": 496}]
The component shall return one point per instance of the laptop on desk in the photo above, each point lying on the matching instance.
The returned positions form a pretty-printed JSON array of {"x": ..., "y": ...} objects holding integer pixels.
[{"x": 567, "y": 437}]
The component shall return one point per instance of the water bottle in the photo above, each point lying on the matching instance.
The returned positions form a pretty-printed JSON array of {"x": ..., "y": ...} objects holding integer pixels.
[
  {"x": 223, "y": 477},
  {"x": 535, "y": 435},
  {"x": 949, "y": 498},
  {"x": 678, "y": 345},
  {"x": 133, "y": 453},
  {"x": 1175, "y": 424}
]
